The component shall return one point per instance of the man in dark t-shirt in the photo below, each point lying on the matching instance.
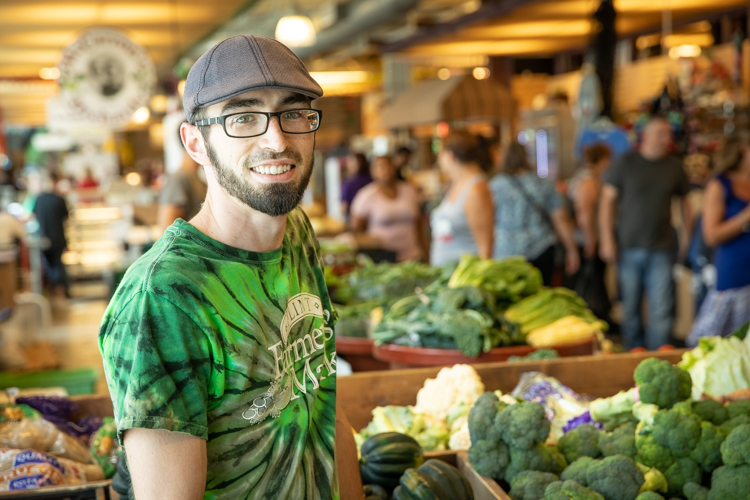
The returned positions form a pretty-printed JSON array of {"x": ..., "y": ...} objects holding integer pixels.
[
  {"x": 51, "y": 212},
  {"x": 636, "y": 232}
]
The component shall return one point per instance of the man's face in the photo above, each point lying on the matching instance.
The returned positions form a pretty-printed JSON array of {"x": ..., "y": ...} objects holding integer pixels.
[
  {"x": 657, "y": 137},
  {"x": 270, "y": 172}
]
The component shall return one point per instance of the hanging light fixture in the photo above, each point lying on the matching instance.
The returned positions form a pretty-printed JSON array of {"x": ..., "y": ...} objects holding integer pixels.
[{"x": 296, "y": 31}]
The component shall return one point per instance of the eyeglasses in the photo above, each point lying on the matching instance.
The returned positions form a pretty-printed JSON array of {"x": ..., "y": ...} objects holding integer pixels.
[{"x": 255, "y": 123}]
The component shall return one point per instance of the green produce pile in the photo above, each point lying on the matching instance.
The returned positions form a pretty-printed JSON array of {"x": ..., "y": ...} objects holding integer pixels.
[
  {"x": 508, "y": 280},
  {"x": 668, "y": 447},
  {"x": 535, "y": 356},
  {"x": 547, "y": 306},
  {"x": 430, "y": 433},
  {"x": 449, "y": 318}
]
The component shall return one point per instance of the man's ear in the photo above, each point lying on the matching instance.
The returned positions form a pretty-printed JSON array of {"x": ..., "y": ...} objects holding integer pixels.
[{"x": 194, "y": 144}]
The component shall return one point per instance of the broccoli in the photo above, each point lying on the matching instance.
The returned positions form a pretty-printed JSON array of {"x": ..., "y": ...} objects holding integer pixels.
[
  {"x": 489, "y": 458},
  {"x": 482, "y": 418},
  {"x": 732, "y": 423},
  {"x": 577, "y": 470},
  {"x": 536, "y": 355},
  {"x": 559, "y": 461},
  {"x": 711, "y": 410},
  {"x": 539, "y": 458},
  {"x": 707, "y": 452},
  {"x": 621, "y": 441},
  {"x": 649, "y": 495},
  {"x": 738, "y": 408},
  {"x": 694, "y": 491},
  {"x": 652, "y": 454},
  {"x": 682, "y": 471},
  {"x": 677, "y": 431},
  {"x": 583, "y": 441},
  {"x": 661, "y": 383},
  {"x": 653, "y": 479},
  {"x": 735, "y": 449},
  {"x": 616, "y": 478},
  {"x": 523, "y": 425},
  {"x": 730, "y": 482},
  {"x": 570, "y": 490},
  {"x": 531, "y": 484}
]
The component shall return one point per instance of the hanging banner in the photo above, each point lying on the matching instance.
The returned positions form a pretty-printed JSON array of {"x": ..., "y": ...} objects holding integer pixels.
[{"x": 105, "y": 77}]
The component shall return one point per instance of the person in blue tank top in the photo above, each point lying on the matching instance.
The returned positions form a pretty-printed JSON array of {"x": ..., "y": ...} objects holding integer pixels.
[
  {"x": 726, "y": 226},
  {"x": 464, "y": 222}
]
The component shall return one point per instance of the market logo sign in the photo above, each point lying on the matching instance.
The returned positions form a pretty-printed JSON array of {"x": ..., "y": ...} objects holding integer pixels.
[{"x": 105, "y": 77}]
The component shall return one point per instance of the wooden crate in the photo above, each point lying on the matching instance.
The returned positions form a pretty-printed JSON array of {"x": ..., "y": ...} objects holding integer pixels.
[{"x": 597, "y": 376}]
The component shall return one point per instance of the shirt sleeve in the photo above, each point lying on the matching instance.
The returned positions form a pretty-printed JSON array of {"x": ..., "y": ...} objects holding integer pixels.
[
  {"x": 173, "y": 192},
  {"x": 613, "y": 175},
  {"x": 157, "y": 364},
  {"x": 360, "y": 207}
]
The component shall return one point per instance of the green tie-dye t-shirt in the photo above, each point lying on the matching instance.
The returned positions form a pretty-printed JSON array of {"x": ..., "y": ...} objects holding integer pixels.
[{"x": 234, "y": 347}]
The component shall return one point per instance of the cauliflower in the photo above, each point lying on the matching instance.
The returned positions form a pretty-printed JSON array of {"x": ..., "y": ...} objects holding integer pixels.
[
  {"x": 460, "y": 440},
  {"x": 458, "y": 384}
]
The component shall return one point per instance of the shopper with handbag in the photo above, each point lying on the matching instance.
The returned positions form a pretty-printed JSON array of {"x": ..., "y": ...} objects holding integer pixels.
[{"x": 530, "y": 216}]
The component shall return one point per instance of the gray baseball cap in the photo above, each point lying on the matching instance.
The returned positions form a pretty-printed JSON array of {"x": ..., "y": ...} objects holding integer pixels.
[{"x": 243, "y": 63}]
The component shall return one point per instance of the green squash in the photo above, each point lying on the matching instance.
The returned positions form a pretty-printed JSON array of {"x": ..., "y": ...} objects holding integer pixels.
[
  {"x": 434, "y": 480},
  {"x": 375, "y": 492},
  {"x": 385, "y": 457}
]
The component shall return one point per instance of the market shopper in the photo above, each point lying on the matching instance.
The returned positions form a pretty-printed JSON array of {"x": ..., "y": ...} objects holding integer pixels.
[
  {"x": 726, "y": 226},
  {"x": 635, "y": 230},
  {"x": 182, "y": 194},
  {"x": 51, "y": 211},
  {"x": 530, "y": 216},
  {"x": 463, "y": 223},
  {"x": 584, "y": 191},
  {"x": 358, "y": 176},
  {"x": 218, "y": 345},
  {"x": 388, "y": 209}
]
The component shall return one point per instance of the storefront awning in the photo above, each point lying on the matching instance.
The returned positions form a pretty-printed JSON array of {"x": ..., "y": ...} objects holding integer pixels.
[{"x": 457, "y": 98}]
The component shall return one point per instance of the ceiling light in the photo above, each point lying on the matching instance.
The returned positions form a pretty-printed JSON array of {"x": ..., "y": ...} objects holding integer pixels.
[
  {"x": 141, "y": 115},
  {"x": 49, "y": 73},
  {"x": 181, "y": 88},
  {"x": 684, "y": 51},
  {"x": 444, "y": 73},
  {"x": 158, "y": 103},
  {"x": 133, "y": 178},
  {"x": 340, "y": 77},
  {"x": 481, "y": 73},
  {"x": 296, "y": 31}
]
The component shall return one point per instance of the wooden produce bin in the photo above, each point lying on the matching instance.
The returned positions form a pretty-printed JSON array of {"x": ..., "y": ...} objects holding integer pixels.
[{"x": 597, "y": 376}]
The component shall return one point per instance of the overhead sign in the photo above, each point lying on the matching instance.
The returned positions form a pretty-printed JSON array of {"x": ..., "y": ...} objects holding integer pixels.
[{"x": 105, "y": 77}]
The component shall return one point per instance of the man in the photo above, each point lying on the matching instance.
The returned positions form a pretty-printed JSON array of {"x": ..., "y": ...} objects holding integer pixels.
[
  {"x": 182, "y": 194},
  {"x": 638, "y": 190},
  {"x": 51, "y": 212},
  {"x": 218, "y": 345},
  {"x": 401, "y": 161}
]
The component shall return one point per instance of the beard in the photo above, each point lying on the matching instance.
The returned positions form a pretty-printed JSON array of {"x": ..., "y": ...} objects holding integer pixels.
[{"x": 272, "y": 199}]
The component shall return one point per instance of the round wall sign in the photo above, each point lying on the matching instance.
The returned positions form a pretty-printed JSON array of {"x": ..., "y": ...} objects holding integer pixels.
[{"x": 105, "y": 77}]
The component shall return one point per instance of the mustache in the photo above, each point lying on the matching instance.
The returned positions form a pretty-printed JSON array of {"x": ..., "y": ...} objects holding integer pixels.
[{"x": 287, "y": 154}]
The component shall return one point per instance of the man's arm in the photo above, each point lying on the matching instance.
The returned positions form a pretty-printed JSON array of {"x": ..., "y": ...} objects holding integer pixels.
[
  {"x": 607, "y": 211},
  {"x": 166, "y": 465},
  {"x": 564, "y": 229}
]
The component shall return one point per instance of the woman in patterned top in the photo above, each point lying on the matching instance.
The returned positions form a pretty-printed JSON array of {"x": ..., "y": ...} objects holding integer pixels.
[{"x": 530, "y": 216}]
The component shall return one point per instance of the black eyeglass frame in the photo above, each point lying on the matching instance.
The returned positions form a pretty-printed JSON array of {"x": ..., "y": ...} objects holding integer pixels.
[{"x": 221, "y": 120}]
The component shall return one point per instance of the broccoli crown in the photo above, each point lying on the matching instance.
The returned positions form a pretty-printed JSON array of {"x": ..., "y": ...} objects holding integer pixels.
[
  {"x": 583, "y": 441},
  {"x": 711, "y": 410},
  {"x": 738, "y": 408},
  {"x": 621, "y": 441},
  {"x": 652, "y": 454},
  {"x": 735, "y": 450},
  {"x": 730, "y": 482},
  {"x": 482, "y": 418},
  {"x": 682, "y": 471},
  {"x": 531, "y": 484},
  {"x": 577, "y": 470},
  {"x": 707, "y": 453},
  {"x": 649, "y": 495},
  {"x": 661, "y": 383},
  {"x": 523, "y": 425},
  {"x": 570, "y": 490},
  {"x": 733, "y": 423},
  {"x": 539, "y": 458},
  {"x": 559, "y": 461},
  {"x": 616, "y": 478},
  {"x": 677, "y": 431},
  {"x": 694, "y": 491},
  {"x": 489, "y": 458}
]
